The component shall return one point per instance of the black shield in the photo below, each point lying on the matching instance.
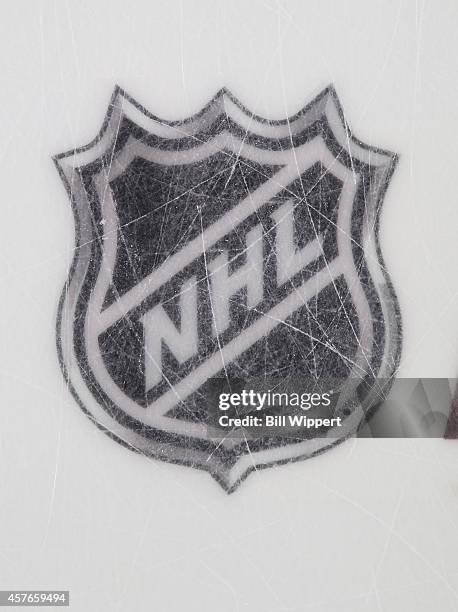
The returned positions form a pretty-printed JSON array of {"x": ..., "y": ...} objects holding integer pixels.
[{"x": 224, "y": 248}]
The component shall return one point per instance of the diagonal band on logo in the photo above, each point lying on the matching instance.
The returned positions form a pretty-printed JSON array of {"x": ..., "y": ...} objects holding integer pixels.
[{"x": 296, "y": 162}]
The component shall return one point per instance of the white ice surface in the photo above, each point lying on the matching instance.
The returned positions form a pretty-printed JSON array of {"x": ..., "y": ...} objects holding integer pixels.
[{"x": 370, "y": 526}]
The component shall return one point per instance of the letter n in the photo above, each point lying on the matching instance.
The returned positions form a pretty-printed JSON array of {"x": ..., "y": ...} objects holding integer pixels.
[{"x": 159, "y": 329}]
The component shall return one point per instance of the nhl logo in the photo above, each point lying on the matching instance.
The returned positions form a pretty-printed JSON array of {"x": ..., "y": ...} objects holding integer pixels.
[{"x": 223, "y": 247}]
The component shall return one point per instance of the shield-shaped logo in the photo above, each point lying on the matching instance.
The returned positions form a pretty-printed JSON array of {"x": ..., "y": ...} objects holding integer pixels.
[{"x": 224, "y": 247}]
